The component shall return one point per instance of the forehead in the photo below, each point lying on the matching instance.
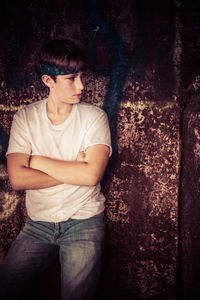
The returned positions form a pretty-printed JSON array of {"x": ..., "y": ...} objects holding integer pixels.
[{"x": 70, "y": 75}]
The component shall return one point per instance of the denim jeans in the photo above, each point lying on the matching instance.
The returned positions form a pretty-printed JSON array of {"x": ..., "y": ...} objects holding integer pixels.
[{"x": 79, "y": 245}]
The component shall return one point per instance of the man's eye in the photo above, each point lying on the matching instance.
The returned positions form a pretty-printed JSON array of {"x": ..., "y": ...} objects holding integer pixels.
[
  {"x": 71, "y": 78},
  {"x": 83, "y": 76}
]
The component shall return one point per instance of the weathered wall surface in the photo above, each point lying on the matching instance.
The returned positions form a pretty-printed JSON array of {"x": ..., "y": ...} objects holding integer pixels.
[
  {"x": 190, "y": 205},
  {"x": 144, "y": 66},
  {"x": 142, "y": 201}
]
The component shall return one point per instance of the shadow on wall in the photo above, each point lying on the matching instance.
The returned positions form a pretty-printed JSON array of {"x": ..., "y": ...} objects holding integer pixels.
[{"x": 3, "y": 145}]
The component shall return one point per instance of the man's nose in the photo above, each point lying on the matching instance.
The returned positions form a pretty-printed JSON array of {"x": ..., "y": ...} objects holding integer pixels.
[{"x": 79, "y": 83}]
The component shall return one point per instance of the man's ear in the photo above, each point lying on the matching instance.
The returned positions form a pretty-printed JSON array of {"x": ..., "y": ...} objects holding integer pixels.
[{"x": 48, "y": 80}]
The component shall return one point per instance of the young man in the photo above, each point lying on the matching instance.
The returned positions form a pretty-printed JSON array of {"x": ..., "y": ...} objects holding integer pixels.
[{"x": 58, "y": 152}]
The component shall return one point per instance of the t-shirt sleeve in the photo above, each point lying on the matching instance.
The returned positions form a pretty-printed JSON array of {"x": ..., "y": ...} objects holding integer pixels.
[
  {"x": 98, "y": 131},
  {"x": 18, "y": 141}
]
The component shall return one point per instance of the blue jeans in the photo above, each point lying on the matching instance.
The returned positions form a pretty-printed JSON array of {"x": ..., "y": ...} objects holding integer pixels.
[{"x": 79, "y": 245}]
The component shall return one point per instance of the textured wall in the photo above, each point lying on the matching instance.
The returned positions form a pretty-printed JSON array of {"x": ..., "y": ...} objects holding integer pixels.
[
  {"x": 141, "y": 249},
  {"x": 190, "y": 205},
  {"x": 144, "y": 66}
]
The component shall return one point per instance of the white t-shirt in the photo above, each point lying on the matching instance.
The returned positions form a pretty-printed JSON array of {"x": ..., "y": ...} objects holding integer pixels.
[{"x": 32, "y": 133}]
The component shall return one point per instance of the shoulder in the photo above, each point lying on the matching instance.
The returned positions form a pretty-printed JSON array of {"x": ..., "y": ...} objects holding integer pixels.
[
  {"x": 30, "y": 108},
  {"x": 90, "y": 109},
  {"x": 92, "y": 116}
]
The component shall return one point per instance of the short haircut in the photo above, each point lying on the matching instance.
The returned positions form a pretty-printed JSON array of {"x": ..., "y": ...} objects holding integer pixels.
[{"x": 64, "y": 55}]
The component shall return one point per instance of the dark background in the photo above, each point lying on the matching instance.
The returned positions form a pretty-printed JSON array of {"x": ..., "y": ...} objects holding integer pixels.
[{"x": 144, "y": 71}]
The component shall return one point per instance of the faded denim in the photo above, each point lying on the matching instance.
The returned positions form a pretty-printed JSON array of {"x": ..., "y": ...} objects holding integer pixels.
[{"x": 79, "y": 245}]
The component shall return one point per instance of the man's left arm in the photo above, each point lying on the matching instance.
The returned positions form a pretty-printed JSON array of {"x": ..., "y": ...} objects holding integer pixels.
[{"x": 88, "y": 171}]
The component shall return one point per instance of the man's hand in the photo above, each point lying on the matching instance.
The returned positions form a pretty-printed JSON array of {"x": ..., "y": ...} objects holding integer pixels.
[{"x": 81, "y": 156}]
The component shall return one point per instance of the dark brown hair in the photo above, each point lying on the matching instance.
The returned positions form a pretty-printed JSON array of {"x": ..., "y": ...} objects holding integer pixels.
[{"x": 63, "y": 54}]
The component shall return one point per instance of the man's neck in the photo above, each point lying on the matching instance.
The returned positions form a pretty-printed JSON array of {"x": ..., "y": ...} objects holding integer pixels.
[{"x": 57, "y": 114}]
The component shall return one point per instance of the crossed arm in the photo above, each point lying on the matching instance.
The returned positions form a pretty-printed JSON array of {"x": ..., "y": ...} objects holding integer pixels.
[{"x": 38, "y": 172}]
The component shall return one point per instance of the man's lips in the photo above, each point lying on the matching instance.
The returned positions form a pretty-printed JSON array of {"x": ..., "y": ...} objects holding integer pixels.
[{"x": 78, "y": 95}]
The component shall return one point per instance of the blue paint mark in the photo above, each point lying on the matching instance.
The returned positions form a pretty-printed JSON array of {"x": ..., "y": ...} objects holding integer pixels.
[{"x": 116, "y": 64}]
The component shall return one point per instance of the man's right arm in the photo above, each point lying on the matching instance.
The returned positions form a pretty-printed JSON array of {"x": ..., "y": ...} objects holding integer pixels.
[{"x": 22, "y": 177}]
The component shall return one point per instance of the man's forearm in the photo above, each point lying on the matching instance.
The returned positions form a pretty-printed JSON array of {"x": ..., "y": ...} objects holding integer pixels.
[
  {"x": 71, "y": 172},
  {"x": 30, "y": 179},
  {"x": 22, "y": 177},
  {"x": 87, "y": 169},
  {"x": 35, "y": 179}
]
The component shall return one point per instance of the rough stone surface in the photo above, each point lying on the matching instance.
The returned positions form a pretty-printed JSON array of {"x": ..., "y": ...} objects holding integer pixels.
[
  {"x": 190, "y": 205},
  {"x": 141, "y": 210}
]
